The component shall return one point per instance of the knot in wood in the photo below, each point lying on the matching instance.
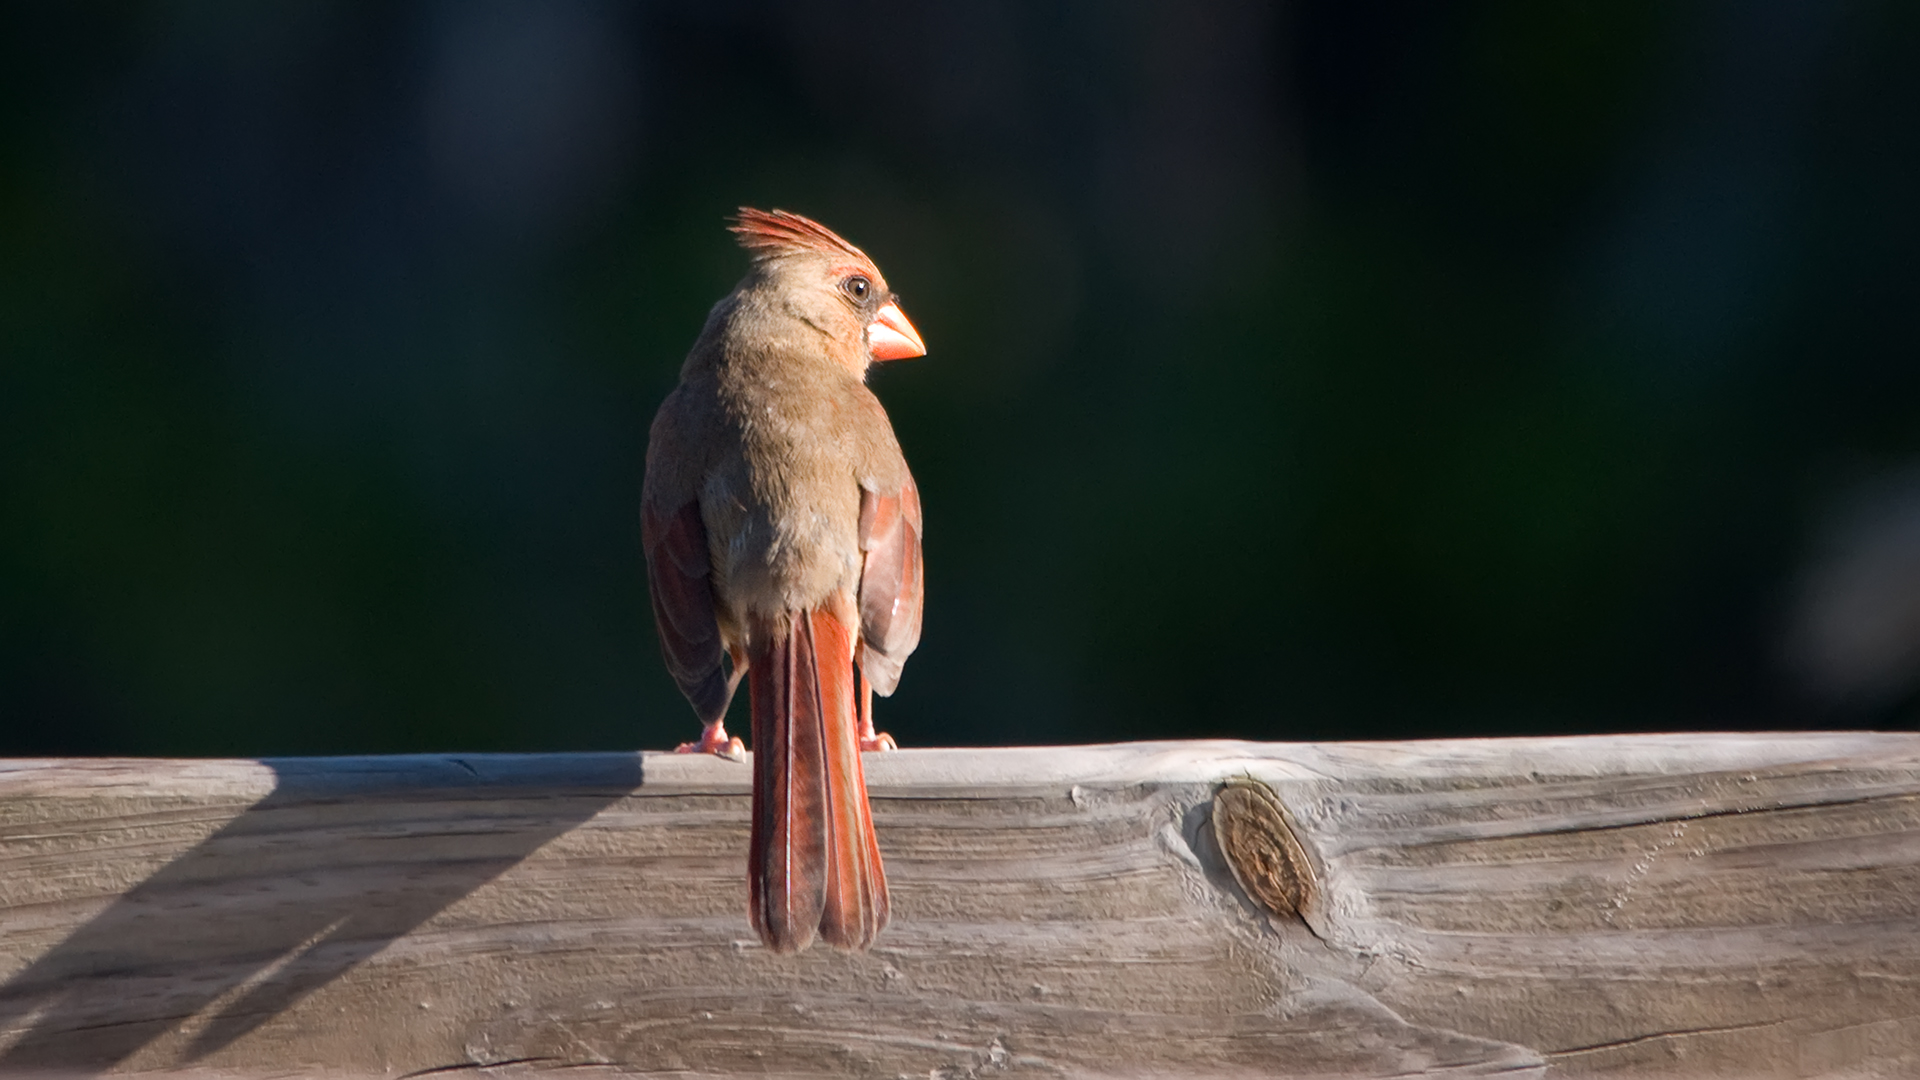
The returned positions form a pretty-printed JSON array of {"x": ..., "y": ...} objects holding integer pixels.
[{"x": 1257, "y": 838}]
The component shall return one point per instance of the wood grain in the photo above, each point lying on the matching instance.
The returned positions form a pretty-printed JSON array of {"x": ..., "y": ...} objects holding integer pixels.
[{"x": 1677, "y": 905}]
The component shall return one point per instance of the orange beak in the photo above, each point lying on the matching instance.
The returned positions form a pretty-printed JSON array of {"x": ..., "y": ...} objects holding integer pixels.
[{"x": 892, "y": 337}]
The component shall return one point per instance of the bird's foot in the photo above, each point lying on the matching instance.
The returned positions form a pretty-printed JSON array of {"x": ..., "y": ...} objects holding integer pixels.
[
  {"x": 871, "y": 741},
  {"x": 714, "y": 740}
]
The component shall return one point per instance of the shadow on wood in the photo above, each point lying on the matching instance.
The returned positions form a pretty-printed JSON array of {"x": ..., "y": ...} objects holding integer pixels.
[
  {"x": 285, "y": 897},
  {"x": 1677, "y": 905}
]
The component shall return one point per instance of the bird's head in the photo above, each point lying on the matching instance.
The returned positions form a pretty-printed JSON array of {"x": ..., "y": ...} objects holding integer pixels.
[{"x": 829, "y": 282}]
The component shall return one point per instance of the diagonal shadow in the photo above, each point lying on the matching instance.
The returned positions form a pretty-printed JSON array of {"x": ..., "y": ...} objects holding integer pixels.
[{"x": 345, "y": 856}]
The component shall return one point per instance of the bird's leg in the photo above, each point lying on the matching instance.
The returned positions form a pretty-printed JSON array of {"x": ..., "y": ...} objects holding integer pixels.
[
  {"x": 869, "y": 739},
  {"x": 713, "y": 737}
]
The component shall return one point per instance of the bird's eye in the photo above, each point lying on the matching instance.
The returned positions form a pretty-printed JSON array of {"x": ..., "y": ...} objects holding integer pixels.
[{"x": 857, "y": 287}]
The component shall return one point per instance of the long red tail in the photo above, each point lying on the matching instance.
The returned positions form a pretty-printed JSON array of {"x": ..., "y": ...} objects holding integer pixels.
[{"x": 814, "y": 863}]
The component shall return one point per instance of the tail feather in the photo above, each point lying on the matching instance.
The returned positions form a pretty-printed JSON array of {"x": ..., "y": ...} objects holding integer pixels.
[
  {"x": 856, "y": 906},
  {"x": 814, "y": 864},
  {"x": 787, "y": 864}
]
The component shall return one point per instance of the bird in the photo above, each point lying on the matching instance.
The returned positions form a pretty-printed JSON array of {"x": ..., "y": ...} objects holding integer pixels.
[{"x": 782, "y": 533}]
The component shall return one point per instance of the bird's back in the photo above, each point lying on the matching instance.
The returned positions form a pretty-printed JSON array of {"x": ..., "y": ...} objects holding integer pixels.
[{"x": 785, "y": 438}]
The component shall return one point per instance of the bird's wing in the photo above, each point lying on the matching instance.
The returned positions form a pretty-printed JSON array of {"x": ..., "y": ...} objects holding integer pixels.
[
  {"x": 892, "y": 584},
  {"x": 679, "y": 578}
]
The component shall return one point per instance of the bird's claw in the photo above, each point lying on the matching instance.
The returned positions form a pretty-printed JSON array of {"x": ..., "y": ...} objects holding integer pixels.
[
  {"x": 714, "y": 741},
  {"x": 877, "y": 741}
]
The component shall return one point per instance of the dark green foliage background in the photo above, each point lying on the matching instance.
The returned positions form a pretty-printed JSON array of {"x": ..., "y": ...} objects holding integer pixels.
[{"x": 1322, "y": 371}]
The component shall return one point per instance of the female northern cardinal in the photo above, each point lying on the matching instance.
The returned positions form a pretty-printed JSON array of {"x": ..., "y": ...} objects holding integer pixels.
[{"x": 782, "y": 532}]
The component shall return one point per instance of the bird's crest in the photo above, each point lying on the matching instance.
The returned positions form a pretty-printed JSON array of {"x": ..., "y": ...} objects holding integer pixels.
[{"x": 769, "y": 235}]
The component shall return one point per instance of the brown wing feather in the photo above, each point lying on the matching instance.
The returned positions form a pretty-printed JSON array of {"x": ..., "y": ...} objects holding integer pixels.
[
  {"x": 892, "y": 583},
  {"x": 679, "y": 580}
]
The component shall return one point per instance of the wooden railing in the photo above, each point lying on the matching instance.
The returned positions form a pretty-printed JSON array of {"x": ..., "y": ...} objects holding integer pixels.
[{"x": 1686, "y": 905}]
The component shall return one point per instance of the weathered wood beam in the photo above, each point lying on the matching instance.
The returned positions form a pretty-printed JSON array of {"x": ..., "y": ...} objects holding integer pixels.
[{"x": 1738, "y": 905}]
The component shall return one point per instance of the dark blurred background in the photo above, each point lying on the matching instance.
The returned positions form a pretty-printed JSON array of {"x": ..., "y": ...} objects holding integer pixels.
[{"x": 1316, "y": 371}]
